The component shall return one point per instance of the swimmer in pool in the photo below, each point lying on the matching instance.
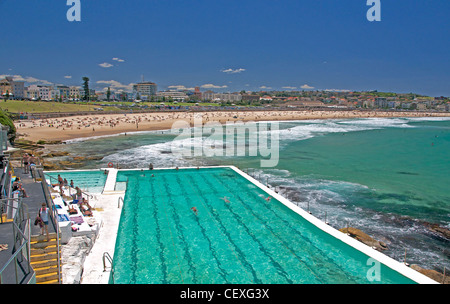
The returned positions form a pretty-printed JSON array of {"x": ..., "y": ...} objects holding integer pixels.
[
  {"x": 195, "y": 210},
  {"x": 225, "y": 199}
]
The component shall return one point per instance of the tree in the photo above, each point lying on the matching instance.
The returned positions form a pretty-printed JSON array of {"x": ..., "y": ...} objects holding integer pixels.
[
  {"x": 86, "y": 88},
  {"x": 6, "y": 120},
  {"x": 108, "y": 94}
]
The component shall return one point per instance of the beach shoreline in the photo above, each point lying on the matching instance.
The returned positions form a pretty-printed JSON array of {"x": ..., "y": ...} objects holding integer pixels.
[{"x": 69, "y": 128}]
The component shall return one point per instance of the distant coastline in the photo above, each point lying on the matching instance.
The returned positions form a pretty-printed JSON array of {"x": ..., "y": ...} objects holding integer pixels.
[{"x": 54, "y": 130}]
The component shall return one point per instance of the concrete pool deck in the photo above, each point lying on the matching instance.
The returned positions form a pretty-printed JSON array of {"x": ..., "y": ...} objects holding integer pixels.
[{"x": 111, "y": 204}]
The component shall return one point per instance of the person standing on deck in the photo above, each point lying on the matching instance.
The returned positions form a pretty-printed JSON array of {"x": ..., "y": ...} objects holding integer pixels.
[{"x": 43, "y": 214}]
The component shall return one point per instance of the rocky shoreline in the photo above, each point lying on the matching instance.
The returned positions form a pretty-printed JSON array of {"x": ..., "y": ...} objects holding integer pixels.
[{"x": 364, "y": 238}]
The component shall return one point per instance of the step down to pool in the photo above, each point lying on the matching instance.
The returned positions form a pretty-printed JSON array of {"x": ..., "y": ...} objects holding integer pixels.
[{"x": 110, "y": 184}]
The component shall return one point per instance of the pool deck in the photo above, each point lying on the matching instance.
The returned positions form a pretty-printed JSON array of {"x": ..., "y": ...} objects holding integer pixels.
[{"x": 94, "y": 272}]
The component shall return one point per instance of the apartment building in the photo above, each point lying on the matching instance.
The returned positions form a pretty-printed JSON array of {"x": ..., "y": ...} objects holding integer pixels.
[
  {"x": 144, "y": 90},
  {"x": 10, "y": 88}
]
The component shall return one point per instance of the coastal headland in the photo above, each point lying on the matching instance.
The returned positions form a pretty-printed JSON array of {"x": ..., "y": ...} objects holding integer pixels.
[{"x": 72, "y": 127}]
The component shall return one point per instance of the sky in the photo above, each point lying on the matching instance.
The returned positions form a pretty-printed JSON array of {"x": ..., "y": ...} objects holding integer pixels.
[{"x": 229, "y": 46}]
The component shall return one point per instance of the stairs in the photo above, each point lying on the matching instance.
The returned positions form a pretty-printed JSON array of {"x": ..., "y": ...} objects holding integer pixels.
[
  {"x": 5, "y": 219},
  {"x": 44, "y": 259}
]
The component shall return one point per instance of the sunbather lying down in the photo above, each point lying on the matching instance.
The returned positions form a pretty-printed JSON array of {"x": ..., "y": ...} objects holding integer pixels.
[{"x": 3, "y": 247}]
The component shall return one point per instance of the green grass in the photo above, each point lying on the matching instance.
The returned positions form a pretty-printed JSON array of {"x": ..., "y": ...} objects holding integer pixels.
[
  {"x": 24, "y": 106},
  {"x": 19, "y": 106}
]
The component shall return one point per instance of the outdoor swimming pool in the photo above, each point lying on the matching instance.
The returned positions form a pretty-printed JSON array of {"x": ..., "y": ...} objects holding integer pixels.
[
  {"x": 239, "y": 235},
  {"x": 91, "y": 181}
]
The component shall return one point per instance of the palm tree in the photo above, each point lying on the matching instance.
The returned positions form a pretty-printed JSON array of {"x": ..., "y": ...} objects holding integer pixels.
[{"x": 86, "y": 88}]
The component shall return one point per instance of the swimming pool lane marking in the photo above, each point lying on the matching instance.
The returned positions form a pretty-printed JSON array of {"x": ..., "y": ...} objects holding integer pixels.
[
  {"x": 223, "y": 271},
  {"x": 175, "y": 216},
  {"x": 171, "y": 235},
  {"x": 280, "y": 270},
  {"x": 229, "y": 242},
  {"x": 130, "y": 197},
  {"x": 239, "y": 199},
  {"x": 276, "y": 236},
  {"x": 158, "y": 233},
  {"x": 349, "y": 276}
]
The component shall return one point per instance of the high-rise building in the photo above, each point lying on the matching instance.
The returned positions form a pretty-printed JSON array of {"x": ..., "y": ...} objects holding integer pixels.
[{"x": 144, "y": 90}]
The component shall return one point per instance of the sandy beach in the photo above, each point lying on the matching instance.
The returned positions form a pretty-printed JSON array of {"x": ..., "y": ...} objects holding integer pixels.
[{"x": 67, "y": 128}]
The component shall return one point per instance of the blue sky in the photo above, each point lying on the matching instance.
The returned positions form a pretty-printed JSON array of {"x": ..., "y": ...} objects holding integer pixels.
[{"x": 231, "y": 45}]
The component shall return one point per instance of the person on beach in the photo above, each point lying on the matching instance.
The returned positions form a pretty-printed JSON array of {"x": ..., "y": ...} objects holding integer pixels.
[{"x": 43, "y": 214}]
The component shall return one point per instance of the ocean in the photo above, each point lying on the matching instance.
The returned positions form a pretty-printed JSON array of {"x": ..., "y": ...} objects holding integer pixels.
[{"x": 388, "y": 177}]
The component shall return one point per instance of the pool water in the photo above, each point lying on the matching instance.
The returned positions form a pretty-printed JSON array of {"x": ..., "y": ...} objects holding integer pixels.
[
  {"x": 92, "y": 181},
  {"x": 238, "y": 235}
]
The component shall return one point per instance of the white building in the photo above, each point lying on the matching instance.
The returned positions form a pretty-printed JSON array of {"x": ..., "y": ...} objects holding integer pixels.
[
  {"x": 175, "y": 95},
  {"x": 75, "y": 92},
  {"x": 32, "y": 92},
  {"x": 232, "y": 97},
  {"x": 45, "y": 92}
]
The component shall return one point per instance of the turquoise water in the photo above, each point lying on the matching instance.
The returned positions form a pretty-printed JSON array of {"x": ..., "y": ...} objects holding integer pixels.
[
  {"x": 89, "y": 181},
  {"x": 387, "y": 177},
  {"x": 246, "y": 239}
]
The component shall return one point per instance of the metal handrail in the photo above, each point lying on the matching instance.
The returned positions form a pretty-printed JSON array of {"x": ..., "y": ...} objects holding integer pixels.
[
  {"x": 19, "y": 236},
  {"x": 105, "y": 257},
  {"x": 54, "y": 217}
]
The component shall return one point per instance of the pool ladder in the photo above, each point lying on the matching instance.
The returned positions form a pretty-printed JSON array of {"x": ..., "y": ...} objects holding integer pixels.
[{"x": 107, "y": 257}]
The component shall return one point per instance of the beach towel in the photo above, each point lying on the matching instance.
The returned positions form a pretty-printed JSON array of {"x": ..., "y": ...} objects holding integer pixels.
[
  {"x": 77, "y": 219},
  {"x": 63, "y": 218}
]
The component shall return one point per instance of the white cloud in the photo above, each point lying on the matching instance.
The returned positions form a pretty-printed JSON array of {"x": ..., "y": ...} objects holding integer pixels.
[
  {"x": 105, "y": 65},
  {"x": 337, "y": 90},
  {"x": 265, "y": 87},
  {"x": 306, "y": 87},
  {"x": 115, "y": 85},
  {"x": 118, "y": 59},
  {"x": 27, "y": 79},
  {"x": 180, "y": 87},
  {"x": 68, "y": 77},
  {"x": 289, "y": 88},
  {"x": 231, "y": 71},
  {"x": 212, "y": 86}
]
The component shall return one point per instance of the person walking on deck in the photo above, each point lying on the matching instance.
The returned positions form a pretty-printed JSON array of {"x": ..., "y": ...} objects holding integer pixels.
[{"x": 43, "y": 214}]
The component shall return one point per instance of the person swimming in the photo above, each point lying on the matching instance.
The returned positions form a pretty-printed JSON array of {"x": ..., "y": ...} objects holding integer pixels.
[
  {"x": 195, "y": 210},
  {"x": 225, "y": 199}
]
